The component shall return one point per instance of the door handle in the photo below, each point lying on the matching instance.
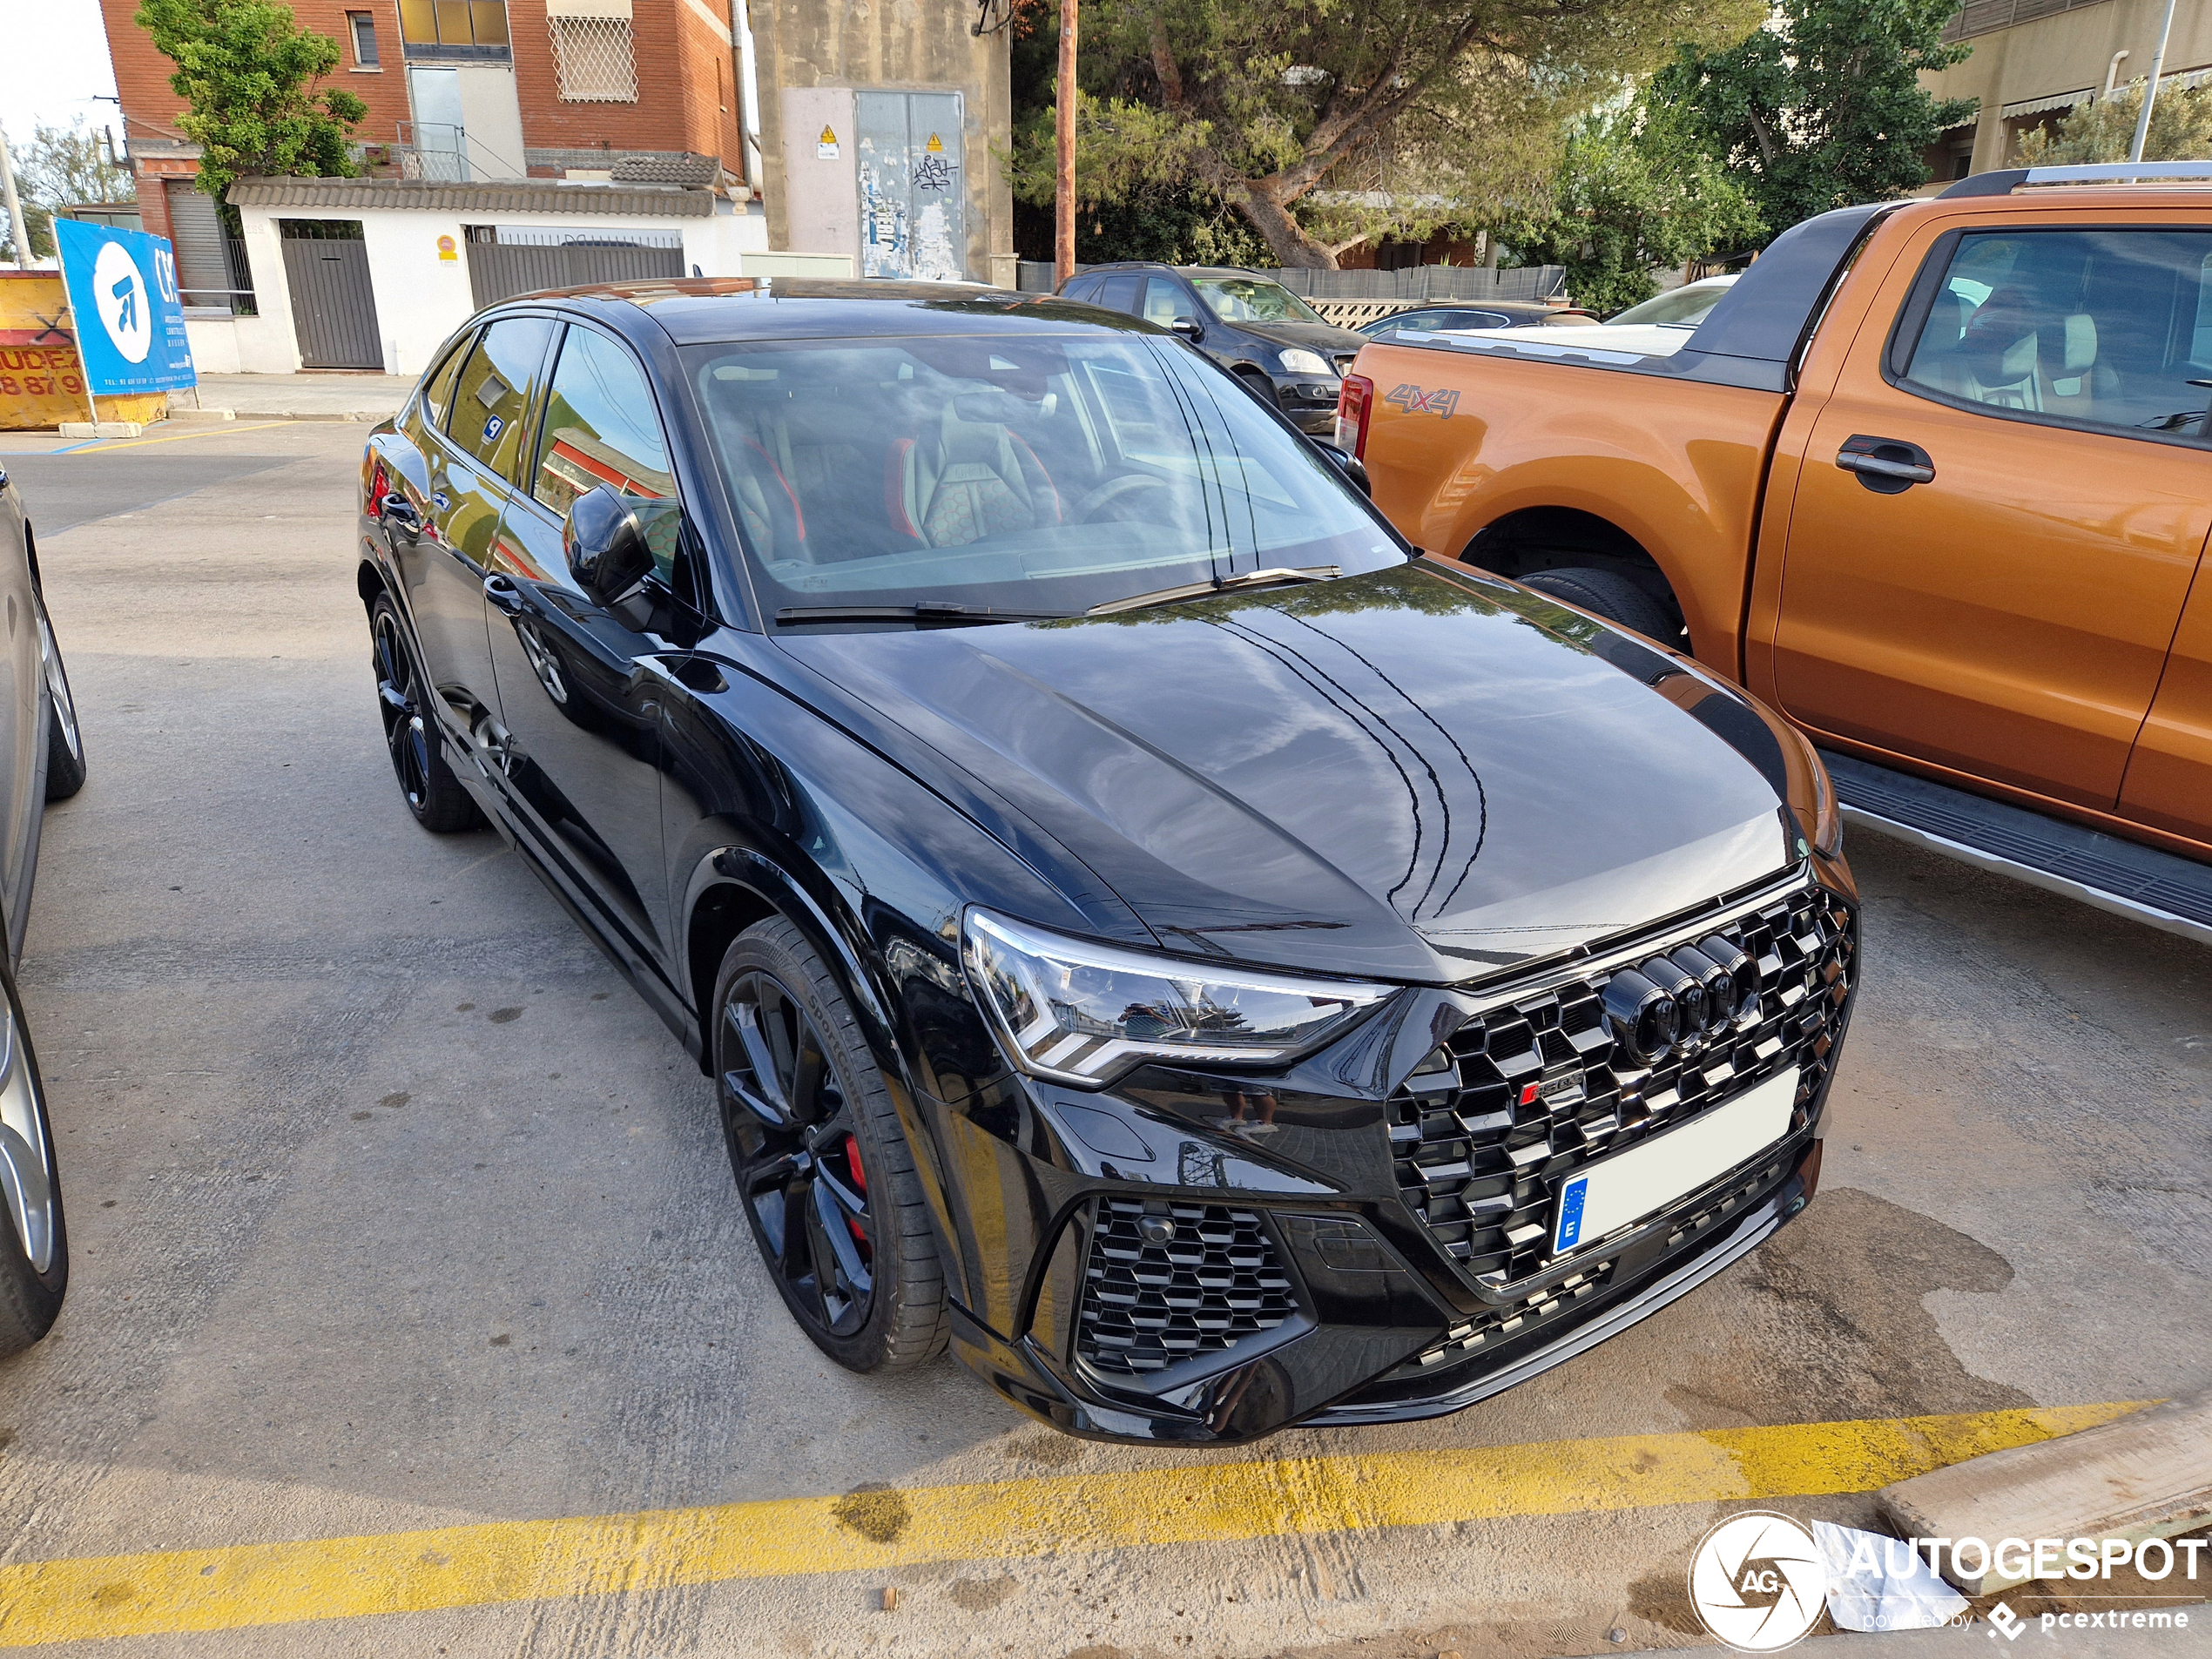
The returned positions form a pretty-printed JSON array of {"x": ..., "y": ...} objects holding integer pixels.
[
  {"x": 1886, "y": 466},
  {"x": 504, "y": 595}
]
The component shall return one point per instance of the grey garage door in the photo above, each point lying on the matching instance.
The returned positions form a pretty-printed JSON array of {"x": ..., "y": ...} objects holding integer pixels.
[{"x": 334, "y": 309}]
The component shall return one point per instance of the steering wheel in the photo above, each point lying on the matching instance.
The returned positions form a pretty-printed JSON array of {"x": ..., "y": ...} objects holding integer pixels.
[{"x": 1113, "y": 490}]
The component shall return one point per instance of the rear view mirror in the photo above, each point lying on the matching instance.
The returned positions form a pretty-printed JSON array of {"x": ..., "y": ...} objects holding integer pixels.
[
  {"x": 605, "y": 545},
  {"x": 1350, "y": 465},
  {"x": 1188, "y": 328}
]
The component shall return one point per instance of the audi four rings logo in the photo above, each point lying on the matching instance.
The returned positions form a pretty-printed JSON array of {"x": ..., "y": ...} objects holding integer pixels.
[{"x": 1681, "y": 998}]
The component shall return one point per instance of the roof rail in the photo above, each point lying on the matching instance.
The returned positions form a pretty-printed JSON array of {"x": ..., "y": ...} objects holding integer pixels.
[{"x": 2104, "y": 173}]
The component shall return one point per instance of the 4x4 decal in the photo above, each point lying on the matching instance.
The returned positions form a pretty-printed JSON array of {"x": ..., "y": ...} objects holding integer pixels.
[{"x": 1410, "y": 398}]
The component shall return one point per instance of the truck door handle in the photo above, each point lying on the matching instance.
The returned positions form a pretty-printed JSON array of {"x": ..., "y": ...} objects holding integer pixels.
[
  {"x": 1886, "y": 466},
  {"x": 504, "y": 594}
]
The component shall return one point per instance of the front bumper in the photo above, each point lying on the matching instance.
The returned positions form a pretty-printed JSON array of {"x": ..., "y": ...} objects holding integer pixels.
[
  {"x": 1308, "y": 402},
  {"x": 1211, "y": 1260}
]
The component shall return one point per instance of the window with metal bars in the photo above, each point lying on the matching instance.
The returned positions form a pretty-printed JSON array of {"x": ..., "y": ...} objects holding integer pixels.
[{"x": 594, "y": 59}]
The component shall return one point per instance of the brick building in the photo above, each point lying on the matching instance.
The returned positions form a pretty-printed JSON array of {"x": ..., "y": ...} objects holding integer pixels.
[{"x": 857, "y": 129}]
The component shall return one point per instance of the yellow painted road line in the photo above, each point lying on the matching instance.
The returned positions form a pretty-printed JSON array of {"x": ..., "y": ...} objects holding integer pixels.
[
  {"x": 1193, "y": 1503},
  {"x": 222, "y": 430}
]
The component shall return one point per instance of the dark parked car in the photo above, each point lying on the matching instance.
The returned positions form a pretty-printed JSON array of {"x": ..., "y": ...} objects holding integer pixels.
[
  {"x": 1280, "y": 347},
  {"x": 42, "y": 759},
  {"x": 1494, "y": 313},
  {"x": 1146, "y": 928}
]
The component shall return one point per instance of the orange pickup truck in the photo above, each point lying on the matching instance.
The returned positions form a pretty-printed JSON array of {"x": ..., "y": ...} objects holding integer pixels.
[{"x": 1934, "y": 477}]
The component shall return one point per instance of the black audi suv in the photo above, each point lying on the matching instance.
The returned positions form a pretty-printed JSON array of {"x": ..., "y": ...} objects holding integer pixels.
[
  {"x": 1146, "y": 928},
  {"x": 42, "y": 759}
]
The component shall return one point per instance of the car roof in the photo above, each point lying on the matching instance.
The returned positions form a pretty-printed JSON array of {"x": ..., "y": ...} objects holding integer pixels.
[
  {"x": 1180, "y": 270},
  {"x": 703, "y": 310}
]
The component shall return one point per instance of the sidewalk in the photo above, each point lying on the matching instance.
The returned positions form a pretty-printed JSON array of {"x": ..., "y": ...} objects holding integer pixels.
[{"x": 296, "y": 397}]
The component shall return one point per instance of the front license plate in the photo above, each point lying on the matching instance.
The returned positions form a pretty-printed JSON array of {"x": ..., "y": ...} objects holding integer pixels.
[{"x": 1632, "y": 1185}]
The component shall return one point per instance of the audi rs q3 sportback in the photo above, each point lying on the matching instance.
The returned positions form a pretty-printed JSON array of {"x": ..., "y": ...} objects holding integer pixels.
[
  {"x": 42, "y": 759},
  {"x": 1146, "y": 928}
]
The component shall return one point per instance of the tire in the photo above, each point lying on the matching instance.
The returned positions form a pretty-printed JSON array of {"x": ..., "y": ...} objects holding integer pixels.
[
  {"x": 1612, "y": 596},
  {"x": 870, "y": 1292},
  {"x": 33, "y": 1238},
  {"x": 1259, "y": 386},
  {"x": 64, "y": 738},
  {"x": 436, "y": 798}
]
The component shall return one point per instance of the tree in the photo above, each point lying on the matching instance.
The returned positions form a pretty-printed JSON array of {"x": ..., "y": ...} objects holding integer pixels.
[
  {"x": 2103, "y": 129},
  {"x": 248, "y": 71},
  {"x": 1634, "y": 190},
  {"x": 1329, "y": 122},
  {"x": 1823, "y": 106},
  {"x": 60, "y": 168}
]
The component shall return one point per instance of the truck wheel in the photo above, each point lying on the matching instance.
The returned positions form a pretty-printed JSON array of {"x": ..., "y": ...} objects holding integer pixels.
[{"x": 1612, "y": 596}]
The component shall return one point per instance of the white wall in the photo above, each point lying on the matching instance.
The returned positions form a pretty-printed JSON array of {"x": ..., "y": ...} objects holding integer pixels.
[
  {"x": 214, "y": 341},
  {"x": 422, "y": 297}
]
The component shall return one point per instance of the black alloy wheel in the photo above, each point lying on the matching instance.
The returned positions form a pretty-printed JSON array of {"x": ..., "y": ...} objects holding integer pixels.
[
  {"x": 65, "y": 739},
  {"x": 822, "y": 1167},
  {"x": 434, "y": 795}
]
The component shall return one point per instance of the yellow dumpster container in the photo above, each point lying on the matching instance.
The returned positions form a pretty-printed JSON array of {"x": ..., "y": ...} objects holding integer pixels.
[{"x": 41, "y": 383}]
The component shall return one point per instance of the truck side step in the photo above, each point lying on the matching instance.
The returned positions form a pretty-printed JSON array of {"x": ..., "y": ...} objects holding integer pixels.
[{"x": 2124, "y": 877}]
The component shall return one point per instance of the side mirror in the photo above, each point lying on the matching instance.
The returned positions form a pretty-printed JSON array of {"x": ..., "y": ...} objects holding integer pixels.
[
  {"x": 605, "y": 545},
  {"x": 1188, "y": 328},
  {"x": 1350, "y": 465}
]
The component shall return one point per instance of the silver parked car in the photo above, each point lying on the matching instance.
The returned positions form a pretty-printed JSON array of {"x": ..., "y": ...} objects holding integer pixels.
[{"x": 42, "y": 759}]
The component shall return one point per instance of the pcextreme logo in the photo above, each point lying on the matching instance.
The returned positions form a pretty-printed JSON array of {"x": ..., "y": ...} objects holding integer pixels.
[{"x": 1759, "y": 1582}]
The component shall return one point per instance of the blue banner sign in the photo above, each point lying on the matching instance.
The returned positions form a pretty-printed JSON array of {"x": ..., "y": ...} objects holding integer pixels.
[{"x": 123, "y": 295}]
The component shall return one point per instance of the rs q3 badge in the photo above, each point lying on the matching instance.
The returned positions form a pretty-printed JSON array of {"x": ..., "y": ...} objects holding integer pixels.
[{"x": 1410, "y": 398}]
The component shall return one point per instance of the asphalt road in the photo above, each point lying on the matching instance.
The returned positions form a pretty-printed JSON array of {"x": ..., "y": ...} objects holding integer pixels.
[{"x": 394, "y": 1210}]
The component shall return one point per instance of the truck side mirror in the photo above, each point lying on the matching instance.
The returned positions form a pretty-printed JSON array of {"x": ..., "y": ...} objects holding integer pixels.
[{"x": 605, "y": 545}]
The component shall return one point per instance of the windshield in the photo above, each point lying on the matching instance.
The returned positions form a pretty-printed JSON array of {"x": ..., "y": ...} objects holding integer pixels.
[
  {"x": 1683, "y": 309},
  {"x": 1030, "y": 473},
  {"x": 1253, "y": 300}
]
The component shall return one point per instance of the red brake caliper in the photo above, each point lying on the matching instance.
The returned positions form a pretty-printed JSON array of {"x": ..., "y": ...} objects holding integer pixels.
[{"x": 859, "y": 1180}]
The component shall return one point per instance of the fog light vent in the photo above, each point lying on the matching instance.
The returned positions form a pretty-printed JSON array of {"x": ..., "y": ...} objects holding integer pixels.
[{"x": 1212, "y": 1281}]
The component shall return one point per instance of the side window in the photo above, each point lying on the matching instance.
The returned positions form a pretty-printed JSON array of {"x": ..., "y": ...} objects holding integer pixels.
[
  {"x": 496, "y": 387},
  {"x": 437, "y": 396},
  {"x": 600, "y": 428},
  {"x": 1165, "y": 302},
  {"x": 1082, "y": 288},
  {"x": 1119, "y": 292},
  {"x": 2098, "y": 328}
]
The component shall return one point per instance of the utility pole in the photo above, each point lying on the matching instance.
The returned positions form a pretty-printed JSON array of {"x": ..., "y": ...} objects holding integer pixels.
[
  {"x": 2150, "y": 93},
  {"x": 1063, "y": 194},
  {"x": 16, "y": 229}
]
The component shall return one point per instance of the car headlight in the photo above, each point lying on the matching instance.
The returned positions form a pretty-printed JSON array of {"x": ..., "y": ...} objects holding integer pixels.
[
  {"x": 1082, "y": 1013},
  {"x": 1298, "y": 360}
]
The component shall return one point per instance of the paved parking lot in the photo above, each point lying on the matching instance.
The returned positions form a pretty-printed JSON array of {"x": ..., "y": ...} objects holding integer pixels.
[{"x": 405, "y": 1246}]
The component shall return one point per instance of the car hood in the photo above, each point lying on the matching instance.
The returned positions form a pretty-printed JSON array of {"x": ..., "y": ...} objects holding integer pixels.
[
  {"x": 1323, "y": 337},
  {"x": 1408, "y": 774}
]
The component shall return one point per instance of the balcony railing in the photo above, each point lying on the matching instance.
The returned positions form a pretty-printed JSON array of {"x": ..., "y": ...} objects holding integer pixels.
[{"x": 1987, "y": 16}]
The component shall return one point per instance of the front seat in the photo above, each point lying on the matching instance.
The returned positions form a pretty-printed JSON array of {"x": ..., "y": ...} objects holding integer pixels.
[{"x": 967, "y": 480}]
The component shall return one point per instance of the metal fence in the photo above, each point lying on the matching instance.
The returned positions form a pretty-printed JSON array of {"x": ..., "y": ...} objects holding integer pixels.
[
  {"x": 1415, "y": 284},
  {"x": 505, "y": 261}
]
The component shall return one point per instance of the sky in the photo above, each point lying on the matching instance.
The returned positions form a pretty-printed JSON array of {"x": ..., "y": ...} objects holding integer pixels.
[{"x": 53, "y": 60}]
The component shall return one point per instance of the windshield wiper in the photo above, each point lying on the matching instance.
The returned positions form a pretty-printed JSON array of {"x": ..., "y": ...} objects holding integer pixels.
[
  {"x": 937, "y": 611},
  {"x": 1219, "y": 585}
]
